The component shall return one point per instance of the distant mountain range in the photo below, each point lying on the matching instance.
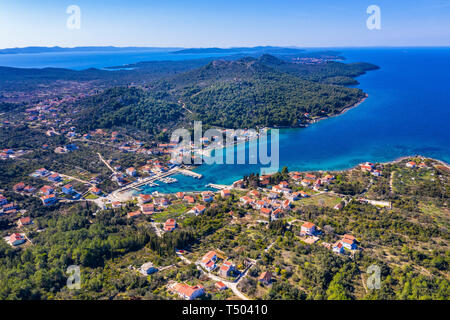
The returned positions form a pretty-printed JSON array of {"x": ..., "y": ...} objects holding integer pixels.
[
  {"x": 176, "y": 50},
  {"x": 82, "y": 49},
  {"x": 259, "y": 49}
]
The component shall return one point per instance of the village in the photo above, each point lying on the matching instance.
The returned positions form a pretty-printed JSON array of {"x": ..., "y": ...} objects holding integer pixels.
[
  {"x": 266, "y": 203},
  {"x": 124, "y": 164}
]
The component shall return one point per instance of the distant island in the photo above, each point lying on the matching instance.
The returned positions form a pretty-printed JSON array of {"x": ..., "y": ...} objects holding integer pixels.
[
  {"x": 83, "y": 150},
  {"x": 80, "y": 49}
]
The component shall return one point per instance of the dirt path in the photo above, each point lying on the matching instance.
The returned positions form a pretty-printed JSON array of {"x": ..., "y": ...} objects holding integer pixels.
[
  {"x": 106, "y": 163},
  {"x": 391, "y": 182}
]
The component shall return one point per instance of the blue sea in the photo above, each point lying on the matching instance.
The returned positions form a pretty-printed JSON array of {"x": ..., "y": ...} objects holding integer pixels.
[
  {"x": 407, "y": 113},
  {"x": 92, "y": 59}
]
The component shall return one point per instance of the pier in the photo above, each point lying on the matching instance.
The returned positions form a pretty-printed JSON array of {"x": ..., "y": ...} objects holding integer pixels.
[
  {"x": 147, "y": 181},
  {"x": 160, "y": 177},
  {"x": 190, "y": 173},
  {"x": 218, "y": 186}
]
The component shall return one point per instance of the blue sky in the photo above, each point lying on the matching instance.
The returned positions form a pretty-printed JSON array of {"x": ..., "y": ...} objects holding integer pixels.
[{"x": 208, "y": 23}]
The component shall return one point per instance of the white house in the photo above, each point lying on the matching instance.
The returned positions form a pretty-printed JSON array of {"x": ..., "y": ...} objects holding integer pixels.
[{"x": 308, "y": 228}]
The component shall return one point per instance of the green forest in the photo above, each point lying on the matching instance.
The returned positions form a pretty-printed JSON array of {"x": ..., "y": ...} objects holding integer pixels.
[{"x": 249, "y": 92}]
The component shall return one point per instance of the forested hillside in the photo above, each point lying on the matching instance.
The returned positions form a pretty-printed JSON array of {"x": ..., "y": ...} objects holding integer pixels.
[{"x": 247, "y": 92}]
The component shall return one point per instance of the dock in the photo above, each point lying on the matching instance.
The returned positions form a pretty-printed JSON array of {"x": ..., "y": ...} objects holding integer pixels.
[
  {"x": 190, "y": 173},
  {"x": 218, "y": 186},
  {"x": 147, "y": 181}
]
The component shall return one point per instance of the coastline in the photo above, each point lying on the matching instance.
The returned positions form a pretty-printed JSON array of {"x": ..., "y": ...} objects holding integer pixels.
[
  {"x": 207, "y": 152},
  {"x": 354, "y": 105},
  {"x": 397, "y": 160},
  {"x": 130, "y": 195}
]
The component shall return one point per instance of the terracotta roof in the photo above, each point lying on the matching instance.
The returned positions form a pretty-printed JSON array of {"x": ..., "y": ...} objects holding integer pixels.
[
  {"x": 308, "y": 225},
  {"x": 266, "y": 275},
  {"x": 350, "y": 237},
  {"x": 185, "y": 289},
  {"x": 133, "y": 214},
  {"x": 220, "y": 285}
]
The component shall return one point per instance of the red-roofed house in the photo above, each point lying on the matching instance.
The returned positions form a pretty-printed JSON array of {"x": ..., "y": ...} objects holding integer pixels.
[
  {"x": 46, "y": 190},
  {"x": 349, "y": 242},
  {"x": 283, "y": 184},
  {"x": 338, "y": 247},
  {"x": 226, "y": 269},
  {"x": 48, "y": 199},
  {"x": 54, "y": 177},
  {"x": 198, "y": 209},
  {"x": 246, "y": 200},
  {"x": 148, "y": 208},
  {"x": 220, "y": 285},
  {"x": 96, "y": 190},
  {"x": 276, "y": 214},
  {"x": 207, "y": 196},
  {"x": 254, "y": 193},
  {"x": 310, "y": 176},
  {"x": 116, "y": 204},
  {"x": 67, "y": 189},
  {"x": 9, "y": 206},
  {"x": 265, "y": 212},
  {"x": 305, "y": 182},
  {"x": 189, "y": 199},
  {"x": 308, "y": 228},
  {"x": 144, "y": 198},
  {"x": 131, "y": 171},
  {"x": 19, "y": 186},
  {"x": 411, "y": 164},
  {"x": 179, "y": 195},
  {"x": 162, "y": 202},
  {"x": 29, "y": 189},
  {"x": 225, "y": 193},
  {"x": 188, "y": 292},
  {"x": 133, "y": 214},
  {"x": 208, "y": 261},
  {"x": 170, "y": 225},
  {"x": 286, "y": 205},
  {"x": 16, "y": 238},
  {"x": 24, "y": 221},
  {"x": 3, "y": 200},
  {"x": 259, "y": 204},
  {"x": 304, "y": 194},
  {"x": 376, "y": 173},
  {"x": 368, "y": 167},
  {"x": 265, "y": 277}
]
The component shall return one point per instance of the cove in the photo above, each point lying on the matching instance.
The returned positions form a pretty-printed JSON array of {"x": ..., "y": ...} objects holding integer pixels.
[{"x": 407, "y": 113}]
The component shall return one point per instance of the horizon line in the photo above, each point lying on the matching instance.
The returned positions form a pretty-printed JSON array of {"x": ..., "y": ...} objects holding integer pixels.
[{"x": 231, "y": 47}]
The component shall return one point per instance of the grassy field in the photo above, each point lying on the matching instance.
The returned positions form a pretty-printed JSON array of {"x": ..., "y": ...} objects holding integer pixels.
[
  {"x": 173, "y": 212},
  {"x": 324, "y": 200}
]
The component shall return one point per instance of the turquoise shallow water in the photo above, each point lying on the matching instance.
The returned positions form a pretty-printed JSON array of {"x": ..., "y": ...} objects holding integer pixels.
[{"x": 407, "y": 113}]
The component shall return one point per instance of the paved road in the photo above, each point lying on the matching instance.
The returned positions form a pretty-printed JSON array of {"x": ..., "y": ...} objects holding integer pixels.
[{"x": 106, "y": 163}]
